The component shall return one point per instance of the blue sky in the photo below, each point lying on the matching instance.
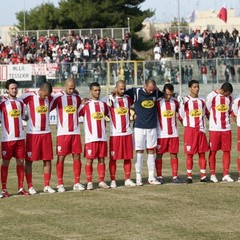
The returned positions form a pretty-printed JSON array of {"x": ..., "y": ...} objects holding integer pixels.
[{"x": 166, "y": 10}]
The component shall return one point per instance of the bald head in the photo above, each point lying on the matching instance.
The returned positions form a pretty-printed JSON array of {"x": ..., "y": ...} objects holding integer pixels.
[
  {"x": 70, "y": 86},
  {"x": 150, "y": 86},
  {"x": 120, "y": 88}
]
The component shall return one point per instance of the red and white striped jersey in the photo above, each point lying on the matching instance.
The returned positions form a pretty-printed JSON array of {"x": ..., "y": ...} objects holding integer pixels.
[
  {"x": 236, "y": 110},
  {"x": 193, "y": 112},
  {"x": 38, "y": 112},
  {"x": 167, "y": 118},
  {"x": 94, "y": 121},
  {"x": 119, "y": 112},
  {"x": 11, "y": 115},
  {"x": 67, "y": 108},
  {"x": 220, "y": 108}
]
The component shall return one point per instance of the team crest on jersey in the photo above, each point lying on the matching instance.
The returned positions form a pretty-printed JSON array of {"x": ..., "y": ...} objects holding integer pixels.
[
  {"x": 188, "y": 148},
  {"x": 29, "y": 154},
  {"x": 148, "y": 104},
  {"x": 14, "y": 113},
  {"x": 89, "y": 151},
  {"x": 222, "y": 108},
  {"x": 42, "y": 109},
  {"x": 59, "y": 148},
  {"x": 121, "y": 111},
  {"x": 97, "y": 115},
  {"x": 70, "y": 109},
  {"x": 168, "y": 113},
  {"x": 196, "y": 113},
  {"x": 4, "y": 153},
  {"x": 112, "y": 153}
]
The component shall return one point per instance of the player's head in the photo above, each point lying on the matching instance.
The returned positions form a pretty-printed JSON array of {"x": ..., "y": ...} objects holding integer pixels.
[
  {"x": 168, "y": 91},
  {"x": 95, "y": 90},
  {"x": 70, "y": 86},
  {"x": 193, "y": 87},
  {"x": 45, "y": 90},
  {"x": 150, "y": 86},
  {"x": 12, "y": 87},
  {"x": 227, "y": 89},
  {"x": 120, "y": 88}
]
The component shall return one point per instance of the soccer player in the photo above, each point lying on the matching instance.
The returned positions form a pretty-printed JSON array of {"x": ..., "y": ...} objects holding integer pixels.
[
  {"x": 13, "y": 139},
  {"x": 38, "y": 138},
  {"x": 145, "y": 127},
  {"x": 121, "y": 140},
  {"x": 167, "y": 132},
  {"x": 68, "y": 133},
  {"x": 219, "y": 104},
  {"x": 236, "y": 118},
  {"x": 193, "y": 112},
  {"x": 94, "y": 112}
]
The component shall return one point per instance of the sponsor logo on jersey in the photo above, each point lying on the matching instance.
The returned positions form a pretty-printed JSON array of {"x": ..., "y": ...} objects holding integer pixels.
[
  {"x": 97, "y": 115},
  {"x": 196, "y": 113},
  {"x": 42, "y": 109},
  {"x": 168, "y": 113},
  {"x": 148, "y": 104},
  {"x": 70, "y": 109},
  {"x": 121, "y": 111},
  {"x": 222, "y": 108},
  {"x": 14, "y": 113}
]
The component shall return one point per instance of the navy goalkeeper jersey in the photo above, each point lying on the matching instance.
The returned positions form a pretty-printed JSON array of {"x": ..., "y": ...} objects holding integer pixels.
[{"x": 144, "y": 107}]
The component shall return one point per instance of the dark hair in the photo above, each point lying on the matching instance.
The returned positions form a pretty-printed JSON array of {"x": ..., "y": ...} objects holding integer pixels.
[
  {"x": 94, "y": 84},
  {"x": 192, "y": 82},
  {"x": 10, "y": 81},
  {"x": 47, "y": 87},
  {"x": 227, "y": 87},
  {"x": 168, "y": 86}
]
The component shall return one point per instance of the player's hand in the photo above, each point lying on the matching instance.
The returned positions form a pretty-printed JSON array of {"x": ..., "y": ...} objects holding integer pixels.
[{"x": 85, "y": 101}]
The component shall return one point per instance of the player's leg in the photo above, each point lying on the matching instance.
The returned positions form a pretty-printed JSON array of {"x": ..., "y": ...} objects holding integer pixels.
[
  {"x": 112, "y": 171},
  {"x": 101, "y": 167},
  {"x": 127, "y": 166},
  {"x": 174, "y": 165},
  {"x": 4, "y": 176},
  {"x": 47, "y": 172},
  {"x": 59, "y": 173},
  {"x": 20, "y": 175},
  {"x": 158, "y": 165},
  {"x": 189, "y": 166},
  {"x": 89, "y": 172},
  {"x": 77, "y": 168}
]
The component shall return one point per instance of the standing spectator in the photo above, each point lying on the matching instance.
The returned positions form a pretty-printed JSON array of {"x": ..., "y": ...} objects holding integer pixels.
[
  {"x": 204, "y": 74},
  {"x": 121, "y": 141},
  {"x": 94, "y": 113},
  {"x": 68, "y": 134},
  {"x": 145, "y": 128},
  {"x": 13, "y": 140},
  {"x": 219, "y": 104},
  {"x": 214, "y": 74},
  {"x": 167, "y": 132},
  {"x": 38, "y": 139},
  {"x": 227, "y": 73},
  {"x": 190, "y": 72},
  {"x": 193, "y": 112}
]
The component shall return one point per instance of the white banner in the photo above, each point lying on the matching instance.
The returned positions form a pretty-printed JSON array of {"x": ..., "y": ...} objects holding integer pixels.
[{"x": 20, "y": 72}]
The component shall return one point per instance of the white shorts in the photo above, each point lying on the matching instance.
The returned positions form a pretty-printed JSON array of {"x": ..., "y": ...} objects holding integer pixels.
[{"x": 145, "y": 138}]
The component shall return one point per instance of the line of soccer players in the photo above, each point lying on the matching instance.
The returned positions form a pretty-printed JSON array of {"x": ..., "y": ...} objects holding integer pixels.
[{"x": 155, "y": 129}]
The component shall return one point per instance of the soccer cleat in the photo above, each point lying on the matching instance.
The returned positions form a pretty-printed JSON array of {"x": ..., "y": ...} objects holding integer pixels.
[
  {"x": 32, "y": 191},
  {"x": 90, "y": 186},
  {"x": 213, "y": 179},
  {"x": 139, "y": 182},
  {"x": 189, "y": 180},
  {"x": 103, "y": 185},
  {"x": 1, "y": 196},
  {"x": 129, "y": 183},
  {"x": 23, "y": 192},
  {"x": 78, "y": 187},
  {"x": 227, "y": 178},
  {"x": 5, "y": 193},
  {"x": 48, "y": 189},
  {"x": 113, "y": 184},
  {"x": 160, "y": 179},
  {"x": 238, "y": 179},
  {"x": 153, "y": 181},
  {"x": 61, "y": 188},
  {"x": 205, "y": 179},
  {"x": 176, "y": 180}
]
